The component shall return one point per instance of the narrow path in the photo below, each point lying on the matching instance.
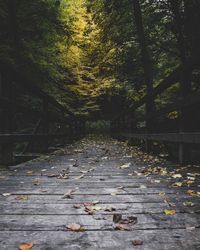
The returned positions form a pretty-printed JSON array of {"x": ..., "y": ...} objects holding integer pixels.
[{"x": 86, "y": 184}]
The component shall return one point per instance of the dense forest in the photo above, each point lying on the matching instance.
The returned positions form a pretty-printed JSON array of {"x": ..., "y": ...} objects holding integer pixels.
[
  {"x": 88, "y": 53},
  {"x": 105, "y": 59}
]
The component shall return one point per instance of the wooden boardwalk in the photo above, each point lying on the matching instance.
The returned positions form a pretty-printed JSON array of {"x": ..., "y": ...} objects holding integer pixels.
[{"x": 86, "y": 184}]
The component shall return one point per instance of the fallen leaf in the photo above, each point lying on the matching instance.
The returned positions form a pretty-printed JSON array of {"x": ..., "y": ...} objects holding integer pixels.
[
  {"x": 6, "y": 194},
  {"x": 122, "y": 227},
  {"x": 36, "y": 182},
  {"x": 74, "y": 227},
  {"x": 26, "y": 246},
  {"x": 162, "y": 193},
  {"x": 77, "y": 206},
  {"x": 110, "y": 209},
  {"x": 68, "y": 194},
  {"x": 113, "y": 194},
  {"x": 22, "y": 197},
  {"x": 84, "y": 171},
  {"x": 79, "y": 177},
  {"x": 129, "y": 220},
  {"x": 169, "y": 212},
  {"x": 188, "y": 204},
  {"x": 117, "y": 217},
  {"x": 127, "y": 165},
  {"x": 137, "y": 242},
  {"x": 63, "y": 176},
  {"x": 177, "y": 184},
  {"x": 176, "y": 175},
  {"x": 29, "y": 173},
  {"x": 193, "y": 193}
]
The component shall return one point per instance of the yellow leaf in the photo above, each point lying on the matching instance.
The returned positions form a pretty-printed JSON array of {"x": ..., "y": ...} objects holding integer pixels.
[{"x": 169, "y": 212}]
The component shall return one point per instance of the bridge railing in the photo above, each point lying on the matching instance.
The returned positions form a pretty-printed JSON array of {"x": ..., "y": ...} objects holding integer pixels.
[
  {"x": 52, "y": 120},
  {"x": 162, "y": 128}
]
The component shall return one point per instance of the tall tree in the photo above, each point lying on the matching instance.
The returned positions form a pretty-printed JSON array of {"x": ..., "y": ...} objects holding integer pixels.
[{"x": 146, "y": 60}]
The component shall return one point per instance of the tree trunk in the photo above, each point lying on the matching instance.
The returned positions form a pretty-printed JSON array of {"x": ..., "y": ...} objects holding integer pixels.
[
  {"x": 146, "y": 60},
  {"x": 186, "y": 74}
]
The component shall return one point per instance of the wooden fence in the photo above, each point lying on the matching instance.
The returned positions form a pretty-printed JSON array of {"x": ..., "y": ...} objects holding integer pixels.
[{"x": 183, "y": 132}]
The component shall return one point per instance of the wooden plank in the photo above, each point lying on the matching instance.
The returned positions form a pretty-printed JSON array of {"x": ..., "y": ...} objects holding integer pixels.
[
  {"x": 116, "y": 240},
  {"x": 67, "y": 209},
  {"x": 96, "y": 222}
]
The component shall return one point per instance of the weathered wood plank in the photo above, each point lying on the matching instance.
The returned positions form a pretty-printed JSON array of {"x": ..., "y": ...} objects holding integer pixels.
[
  {"x": 152, "y": 239},
  {"x": 95, "y": 222}
]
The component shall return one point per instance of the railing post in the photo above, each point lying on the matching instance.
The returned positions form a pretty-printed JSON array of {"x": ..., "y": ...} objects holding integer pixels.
[
  {"x": 6, "y": 149},
  {"x": 45, "y": 127}
]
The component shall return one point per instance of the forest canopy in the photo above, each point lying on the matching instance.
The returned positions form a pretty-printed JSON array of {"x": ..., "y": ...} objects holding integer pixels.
[{"x": 87, "y": 54}]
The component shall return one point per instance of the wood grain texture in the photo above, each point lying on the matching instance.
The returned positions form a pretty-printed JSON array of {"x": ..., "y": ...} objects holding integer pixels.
[{"x": 36, "y": 211}]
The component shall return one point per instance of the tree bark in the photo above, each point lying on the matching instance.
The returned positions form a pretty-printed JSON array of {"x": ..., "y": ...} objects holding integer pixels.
[{"x": 146, "y": 60}]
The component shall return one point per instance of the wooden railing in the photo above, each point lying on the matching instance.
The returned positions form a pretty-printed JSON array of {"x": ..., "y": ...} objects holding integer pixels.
[
  {"x": 52, "y": 120},
  {"x": 128, "y": 125}
]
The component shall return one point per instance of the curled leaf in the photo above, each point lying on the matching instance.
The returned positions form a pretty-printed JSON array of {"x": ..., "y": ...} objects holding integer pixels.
[
  {"x": 137, "y": 242},
  {"x": 26, "y": 246}
]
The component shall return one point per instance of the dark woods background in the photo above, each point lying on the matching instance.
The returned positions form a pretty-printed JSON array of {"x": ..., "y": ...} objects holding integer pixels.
[{"x": 98, "y": 57}]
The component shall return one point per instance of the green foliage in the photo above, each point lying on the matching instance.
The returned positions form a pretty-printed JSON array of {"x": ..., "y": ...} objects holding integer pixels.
[{"x": 86, "y": 52}]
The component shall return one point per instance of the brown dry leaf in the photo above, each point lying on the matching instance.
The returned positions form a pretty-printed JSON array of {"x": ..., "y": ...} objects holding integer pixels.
[
  {"x": 117, "y": 218},
  {"x": 36, "y": 182},
  {"x": 77, "y": 206},
  {"x": 129, "y": 220},
  {"x": 110, "y": 209},
  {"x": 74, "y": 227},
  {"x": 92, "y": 209},
  {"x": 193, "y": 193},
  {"x": 122, "y": 227},
  {"x": 26, "y": 246},
  {"x": 68, "y": 194},
  {"x": 89, "y": 210},
  {"x": 137, "y": 242},
  {"x": 63, "y": 176}
]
